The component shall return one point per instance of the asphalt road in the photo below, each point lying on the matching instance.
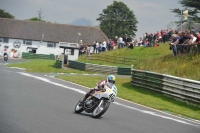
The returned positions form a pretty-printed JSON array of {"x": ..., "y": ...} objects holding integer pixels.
[{"x": 35, "y": 103}]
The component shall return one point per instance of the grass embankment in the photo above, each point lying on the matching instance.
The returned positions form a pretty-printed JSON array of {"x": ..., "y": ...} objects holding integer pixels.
[{"x": 157, "y": 59}]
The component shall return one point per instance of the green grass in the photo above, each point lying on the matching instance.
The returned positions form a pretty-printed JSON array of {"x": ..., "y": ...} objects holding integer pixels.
[{"x": 44, "y": 66}]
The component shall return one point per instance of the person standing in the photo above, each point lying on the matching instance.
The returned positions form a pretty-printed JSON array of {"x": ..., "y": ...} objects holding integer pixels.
[
  {"x": 97, "y": 47},
  {"x": 104, "y": 45},
  {"x": 100, "y": 47},
  {"x": 94, "y": 47}
]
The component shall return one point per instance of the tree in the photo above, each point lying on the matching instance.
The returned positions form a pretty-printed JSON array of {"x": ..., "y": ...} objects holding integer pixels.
[
  {"x": 193, "y": 7},
  {"x": 117, "y": 19},
  {"x": 190, "y": 3},
  {"x": 35, "y": 19},
  {"x": 4, "y": 14},
  {"x": 39, "y": 17}
]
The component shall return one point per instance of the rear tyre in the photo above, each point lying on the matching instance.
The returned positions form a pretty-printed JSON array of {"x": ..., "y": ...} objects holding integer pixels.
[
  {"x": 99, "y": 111},
  {"x": 79, "y": 107}
]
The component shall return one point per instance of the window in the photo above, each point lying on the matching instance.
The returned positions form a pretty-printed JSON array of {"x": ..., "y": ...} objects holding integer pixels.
[
  {"x": 4, "y": 39},
  {"x": 51, "y": 44},
  {"x": 27, "y": 42}
]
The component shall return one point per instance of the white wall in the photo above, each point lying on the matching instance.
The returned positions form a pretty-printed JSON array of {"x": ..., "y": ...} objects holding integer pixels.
[{"x": 41, "y": 48}]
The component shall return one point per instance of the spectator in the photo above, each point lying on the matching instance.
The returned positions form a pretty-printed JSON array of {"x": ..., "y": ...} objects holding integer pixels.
[
  {"x": 100, "y": 47},
  {"x": 94, "y": 47},
  {"x": 104, "y": 46},
  {"x": 87, "y": 51},
  {"x": 130, "y": 45},
  {"x": 184, "y": 38},
  {"x": 173, "y": 44},
  {"x": 97, "y": 47},
  {"x": 191, "y": 41},
  {"x": 81, "y": 49},
  {"x": 150, "y": 39},
  {"x": 112, "y": 44},
  {"x": 140, "y": 42},
  {"x": 125, "y": 40},
  {"x": 120, "y": 44},
  {"x": 146, "y": 43},
  {"x": 196, "y": 48}
]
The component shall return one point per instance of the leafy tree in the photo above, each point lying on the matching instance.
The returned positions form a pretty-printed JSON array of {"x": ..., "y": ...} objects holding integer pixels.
[
  {"x": 4, "y": 14},
  {"x": 117, "y": 19}
]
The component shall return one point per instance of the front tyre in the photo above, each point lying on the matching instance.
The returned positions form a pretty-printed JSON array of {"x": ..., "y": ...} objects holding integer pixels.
[
  {"x": 79, "y": 107},
  {"x": 100, "y": 110}
]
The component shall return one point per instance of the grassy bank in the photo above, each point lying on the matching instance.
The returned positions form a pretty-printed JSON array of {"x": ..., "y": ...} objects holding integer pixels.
[{"x": 158, "y": 60}]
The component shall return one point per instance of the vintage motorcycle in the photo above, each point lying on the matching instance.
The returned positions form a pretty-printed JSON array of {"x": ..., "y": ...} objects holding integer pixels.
[
  {"x": 6, "y": 57},
  {"x": 98, "y": 102}
]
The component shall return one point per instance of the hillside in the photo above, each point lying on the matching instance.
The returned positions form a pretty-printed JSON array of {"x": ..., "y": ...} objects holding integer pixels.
[{"x": 158, "y": 60}]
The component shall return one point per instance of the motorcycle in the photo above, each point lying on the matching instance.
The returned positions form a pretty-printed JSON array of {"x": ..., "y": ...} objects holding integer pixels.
[
  {"x": 98, "y": 102},
  {"x": 6, "y": 57}
]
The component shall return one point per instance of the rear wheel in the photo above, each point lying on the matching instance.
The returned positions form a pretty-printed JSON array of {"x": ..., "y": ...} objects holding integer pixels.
[
  {"x": 100, "y": 110},
  {"x": 79, "y": 107}
]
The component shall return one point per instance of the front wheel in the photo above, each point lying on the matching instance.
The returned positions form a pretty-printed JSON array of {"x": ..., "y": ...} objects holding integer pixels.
[
  {"x": 100, "y": 110},
  {"x": 79, "y": 107}
]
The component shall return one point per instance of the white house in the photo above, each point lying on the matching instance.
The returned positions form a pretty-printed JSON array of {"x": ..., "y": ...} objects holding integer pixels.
[{"x": 44, "y": 37}]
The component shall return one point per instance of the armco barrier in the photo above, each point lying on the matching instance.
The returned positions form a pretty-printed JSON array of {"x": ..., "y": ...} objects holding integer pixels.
[
  {"x": 76, "y": 65},
  {"x": 123, "y": 71},
  {"x": 37, "y": 56},
  {"x": 58, "y": 64},
  {"x": 179, "y": 88},
  {"x": 99, "y": 68}
]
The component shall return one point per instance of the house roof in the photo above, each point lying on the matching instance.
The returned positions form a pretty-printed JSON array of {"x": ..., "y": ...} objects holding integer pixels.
[
  {"x": 50, "y": 32},
  {"x": 196, "y": 26}
]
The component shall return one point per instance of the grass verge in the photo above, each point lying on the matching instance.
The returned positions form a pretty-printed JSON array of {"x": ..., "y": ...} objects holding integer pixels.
[{"x": 44, "y": 66}]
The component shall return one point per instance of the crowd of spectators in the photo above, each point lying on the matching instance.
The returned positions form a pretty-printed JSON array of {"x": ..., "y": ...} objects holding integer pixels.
[
  {"x": 180, "y": 42},
  {"x": 185, "y": 42}
]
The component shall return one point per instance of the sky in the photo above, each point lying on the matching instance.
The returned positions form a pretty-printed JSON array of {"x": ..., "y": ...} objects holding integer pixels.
[{"x": 152, "y": 15}]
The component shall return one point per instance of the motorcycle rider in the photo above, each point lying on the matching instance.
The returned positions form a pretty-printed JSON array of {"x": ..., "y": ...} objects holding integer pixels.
[
  {"x": 100, "y": 85},
  {"x": 5, "y": 54}
]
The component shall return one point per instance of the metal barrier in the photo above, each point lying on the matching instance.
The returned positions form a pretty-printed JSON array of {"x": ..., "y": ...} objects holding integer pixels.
[
  {"x": 179, "y": 88},
  {"x": 37, "y": 56},
  {"x": 58, "y": 64},
  {"x": 76, "y": 65},
  {"x": 193, "y": 49},
  {"x": 99, "y": 68}
]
